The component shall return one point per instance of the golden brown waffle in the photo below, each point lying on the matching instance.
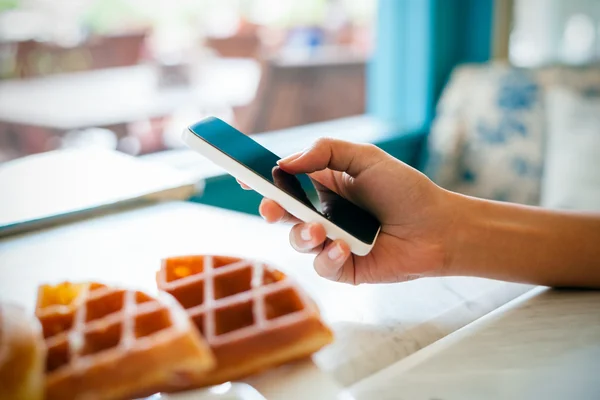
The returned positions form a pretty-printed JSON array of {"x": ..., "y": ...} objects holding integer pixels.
[
  {"x": 253, "y": 316},
  {"x": 22, "y": 355},
  {"x": 110, "y": 343}
]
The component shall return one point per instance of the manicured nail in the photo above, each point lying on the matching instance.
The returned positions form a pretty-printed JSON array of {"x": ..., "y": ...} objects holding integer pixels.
[
  {"x": 305, "y": 234},
  {"x": 290, "y": 158},
  {"x": 335, "y": 252}
]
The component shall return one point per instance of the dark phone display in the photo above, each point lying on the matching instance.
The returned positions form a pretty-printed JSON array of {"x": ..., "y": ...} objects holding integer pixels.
[{"x": 341, "y": 212}]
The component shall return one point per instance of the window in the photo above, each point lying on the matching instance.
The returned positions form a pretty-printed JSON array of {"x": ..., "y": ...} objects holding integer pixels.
[{"x": 555, "y": 31}]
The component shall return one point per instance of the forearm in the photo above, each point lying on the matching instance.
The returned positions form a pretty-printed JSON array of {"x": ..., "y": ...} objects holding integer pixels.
[{"x": 524, "y": 244}]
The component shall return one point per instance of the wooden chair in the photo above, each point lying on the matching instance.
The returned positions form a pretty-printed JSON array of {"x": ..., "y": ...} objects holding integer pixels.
[
  {"x": 297, "y": 92},
  {"x": 37, "y": 58}
]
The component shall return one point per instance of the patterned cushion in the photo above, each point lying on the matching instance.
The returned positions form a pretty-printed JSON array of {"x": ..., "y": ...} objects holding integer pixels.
[{"x": 487, "y": 139}]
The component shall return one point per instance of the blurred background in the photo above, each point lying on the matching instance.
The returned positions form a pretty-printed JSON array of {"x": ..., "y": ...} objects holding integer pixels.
[
  {"x": 129, "y": 74},
  {"x": 493, "y": 98}
]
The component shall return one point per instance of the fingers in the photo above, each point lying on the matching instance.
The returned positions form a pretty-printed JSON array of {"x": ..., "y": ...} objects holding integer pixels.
[
  {"x": 307, "y": 238},
  {"x": 291, "y": 184},
  {"x": 243, "y": 185},
  {"x": 334, "y": 154},
  {"x": 333, "y": 262},
  {"x": 273, "y": 212},
  {"x": 270, "y": 210},
  {"x": 333, "y": 257}
]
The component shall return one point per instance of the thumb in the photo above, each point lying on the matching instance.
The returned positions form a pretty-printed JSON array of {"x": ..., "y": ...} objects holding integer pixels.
[{"x": 334, "y": 154}]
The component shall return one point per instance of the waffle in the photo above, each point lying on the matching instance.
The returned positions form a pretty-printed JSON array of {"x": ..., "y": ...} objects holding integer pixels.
[
  {"x": 108, "y": 343},
  {"x": 252, "y": 316},
  {"x": 22, "y": 355}
]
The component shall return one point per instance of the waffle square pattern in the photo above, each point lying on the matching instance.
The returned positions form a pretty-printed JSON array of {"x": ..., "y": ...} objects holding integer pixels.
[
  {"x": 111, "y": 343},
  {"x": 253, "y": 316}
]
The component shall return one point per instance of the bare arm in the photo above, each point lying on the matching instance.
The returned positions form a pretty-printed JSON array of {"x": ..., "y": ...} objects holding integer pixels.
[
  {"x": 524, "y": 244},
  {"x": 428, "y": 231}
]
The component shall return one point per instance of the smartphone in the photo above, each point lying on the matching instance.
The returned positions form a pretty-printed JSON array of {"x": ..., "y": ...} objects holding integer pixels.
[{"x": 251, "y": 163}]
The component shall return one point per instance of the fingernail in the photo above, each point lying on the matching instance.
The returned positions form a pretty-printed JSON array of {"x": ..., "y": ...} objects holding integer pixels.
[
  {"x": 335, "y": 252},
  {"x": 290, "y": 158},
  {"x": 305, "y": 234}
]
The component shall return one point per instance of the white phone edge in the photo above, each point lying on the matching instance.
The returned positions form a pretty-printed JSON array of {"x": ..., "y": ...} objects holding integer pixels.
[{"x": 267, "y": 190}]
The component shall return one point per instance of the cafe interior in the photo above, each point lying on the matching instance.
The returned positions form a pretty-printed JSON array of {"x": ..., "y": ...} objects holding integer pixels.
[{"x": 497, "y": 99}]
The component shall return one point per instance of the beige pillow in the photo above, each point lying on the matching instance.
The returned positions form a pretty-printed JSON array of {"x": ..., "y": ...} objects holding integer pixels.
[{"x": 571, "y": 178}]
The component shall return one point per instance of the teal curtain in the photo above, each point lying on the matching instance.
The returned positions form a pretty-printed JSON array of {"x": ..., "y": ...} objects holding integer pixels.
[{"x": 417, "y": 45}]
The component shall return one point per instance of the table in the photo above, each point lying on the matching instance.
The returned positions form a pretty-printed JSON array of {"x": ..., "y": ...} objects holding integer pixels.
[
  {"x": 48, "y": 188},
  {"x": 140, "y": 112},
  {"x": 543, "y": 345},
  {"x": 125, "y": 94},
  {"x": 375, "y": 325}
]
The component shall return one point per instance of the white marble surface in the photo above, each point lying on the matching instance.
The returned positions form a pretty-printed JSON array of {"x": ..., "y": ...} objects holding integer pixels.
[
  {"x": 544, "y": 345},
  {"x": 49, "y": 187},
  {"x": 375, "y": 325}
]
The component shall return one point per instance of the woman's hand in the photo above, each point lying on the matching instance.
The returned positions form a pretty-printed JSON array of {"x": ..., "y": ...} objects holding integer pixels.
[{"x": 414, "y": 213}]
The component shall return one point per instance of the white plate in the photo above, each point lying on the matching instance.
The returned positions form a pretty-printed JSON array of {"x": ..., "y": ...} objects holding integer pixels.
[{"x": 226, "y": 391}]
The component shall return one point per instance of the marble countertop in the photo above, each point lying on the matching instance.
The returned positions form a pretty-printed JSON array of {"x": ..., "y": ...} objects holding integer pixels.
[
  {"x": 48, "y": 188},
  {"x": 375, "y": 325},
  {"x": 543, "y": 345}
]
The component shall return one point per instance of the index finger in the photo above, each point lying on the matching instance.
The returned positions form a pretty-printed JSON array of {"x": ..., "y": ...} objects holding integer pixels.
[{"x": 337, "y": 155}]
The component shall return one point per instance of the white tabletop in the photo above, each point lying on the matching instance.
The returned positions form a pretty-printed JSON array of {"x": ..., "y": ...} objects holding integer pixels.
[
  {"x": 374, "y": 325},
  {"x": 544, "y": 345},
  {"x": 125, "y": 94},
  {"x": 49, "y": 187}
]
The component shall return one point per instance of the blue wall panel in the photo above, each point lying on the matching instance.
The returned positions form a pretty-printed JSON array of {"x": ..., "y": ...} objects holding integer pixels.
[{"x": 417, "y": 44}]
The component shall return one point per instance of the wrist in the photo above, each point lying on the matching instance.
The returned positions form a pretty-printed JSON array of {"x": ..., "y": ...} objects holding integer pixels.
[
  {"x": 449, "y": 222},
  {"x": 466, "y": 232},
  {"x": 494, "y": 240}
]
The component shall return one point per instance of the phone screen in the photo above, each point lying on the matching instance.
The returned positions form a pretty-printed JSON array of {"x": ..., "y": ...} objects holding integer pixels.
[{"x": 240, "y": 147}]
